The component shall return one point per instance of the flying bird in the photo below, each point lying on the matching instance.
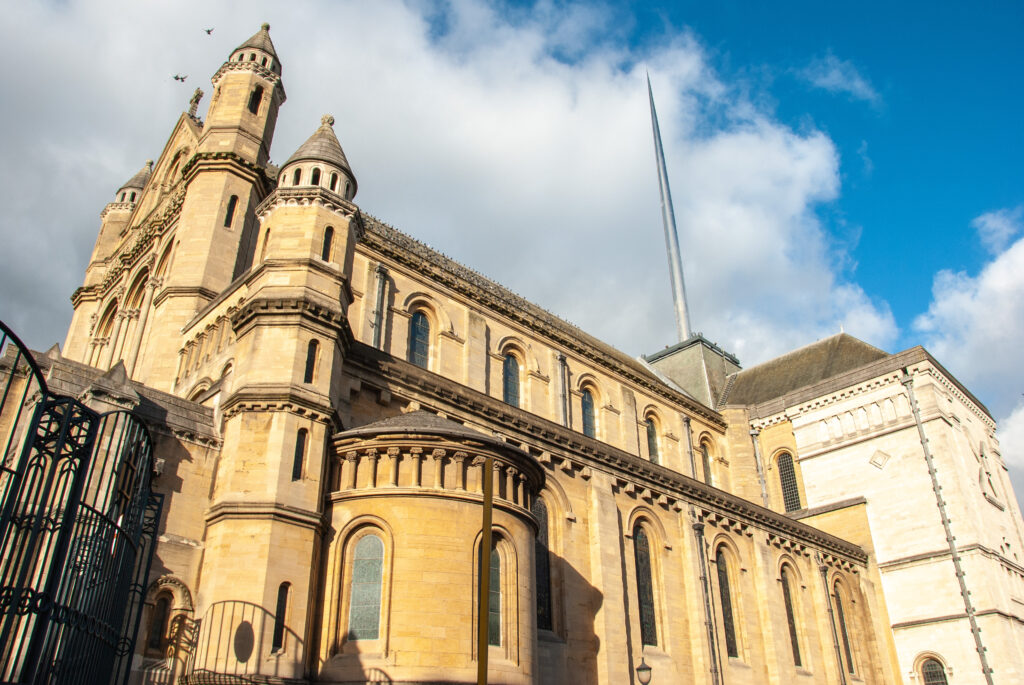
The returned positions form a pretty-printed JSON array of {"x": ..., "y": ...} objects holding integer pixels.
[
  {"x": 179, "y": 77},
  {"x": 208, "y": 31}
]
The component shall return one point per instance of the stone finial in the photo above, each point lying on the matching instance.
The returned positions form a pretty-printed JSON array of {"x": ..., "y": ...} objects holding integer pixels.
[
  {"x": 193, "y": 103},
  {"x": 149, "y": 164},
  {"x": 327, "y": 120},
  {"x": 264, "y": 26}
]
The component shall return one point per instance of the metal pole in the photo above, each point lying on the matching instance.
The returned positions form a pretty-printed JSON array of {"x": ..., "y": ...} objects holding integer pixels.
[{"x": 484, "y": 570}]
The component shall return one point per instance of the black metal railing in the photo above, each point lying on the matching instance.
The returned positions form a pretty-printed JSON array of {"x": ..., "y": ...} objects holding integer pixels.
[{"x": 78, "y": 520}]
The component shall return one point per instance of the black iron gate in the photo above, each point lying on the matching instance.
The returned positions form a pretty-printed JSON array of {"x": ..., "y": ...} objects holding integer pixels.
[{"x": 78, "y": 520}]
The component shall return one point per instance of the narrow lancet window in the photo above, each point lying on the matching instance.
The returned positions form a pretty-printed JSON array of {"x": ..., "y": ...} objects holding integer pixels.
[
  {"x": 300, "y": 453},
  {"x": 705, "y": 458},
  {"x": 644, "y": 586},
  {"x": 787, "y": 598},
  {"x": 279, "y": 617},
  {"x": 725, "y": 599},
  {"x": 419, "y": 339},
  {"x": 494, "y": 600},
  {"x": 787, "y": 478},
  {"x": 315, "y": 178},
  {"x": 296, "y": 177},
  {"x": 311, "y": 354},
  {"x": 365, "y": 590},
  {"x": 652, "y": 440},
  {"x": 843, "y": 631},
  {"x": 325, "y": 252},
  {"x": 229, "y": 215},
  {"x": 587, "y": 412},
  {"x": 510, "y": 380},
  {"x": 334, "y": 182}
]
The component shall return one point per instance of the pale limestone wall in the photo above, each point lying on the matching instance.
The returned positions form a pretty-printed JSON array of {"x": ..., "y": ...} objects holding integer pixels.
[{"x": 864, "y": 442}]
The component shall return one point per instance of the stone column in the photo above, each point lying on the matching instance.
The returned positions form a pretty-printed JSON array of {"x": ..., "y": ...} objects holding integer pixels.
[
  {"x": 147, "y": 300},
  {"x": 395, "y": 458},
  {"x": 371, "y": 456},
  {"x": 108, "y": 355},
  {"x": 417, "y": 460},
  {"x": 351, "y": 459},
  {"x": 438, "y": 456},
  {"x": 460, "y": 477}
]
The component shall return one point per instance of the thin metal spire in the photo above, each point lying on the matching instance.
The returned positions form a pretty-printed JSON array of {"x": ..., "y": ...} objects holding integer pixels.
[{"x": 675, "y": 262}]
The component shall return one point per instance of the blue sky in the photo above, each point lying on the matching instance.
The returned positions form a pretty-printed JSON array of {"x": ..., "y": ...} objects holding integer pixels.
[{"x": 853, "y": 165}]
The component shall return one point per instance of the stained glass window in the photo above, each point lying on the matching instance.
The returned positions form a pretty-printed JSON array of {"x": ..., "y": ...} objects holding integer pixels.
[
  {"x": 494, "y": 600},
  {"x": 933, "y": 673},
  {"x": 510, "y": 380},
  {"x": 725, "y": 597},
  {"x": 279, "y": 617},
  {"x": 841, "y": 616},
  {"x": 787, "y": 478},
  {"x": 587, "y": 407},
  {"x": 364, "y": 602},
  {"x": 644, "y": 589},
  {"x": 790, "y": 616},
  {"x": 543, "y": 566},
  {"x": 419, "y": 339},
  {"x": 652, "y": 439}
]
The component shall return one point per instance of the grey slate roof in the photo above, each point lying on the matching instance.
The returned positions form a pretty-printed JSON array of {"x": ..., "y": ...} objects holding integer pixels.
[
  {"x": 799, "y": 368},
  {"x": 139, "y": 179},
  {"x": 261, "y": 41},
  {"x": 323, "y": 146},
  {"x": 417, "y": 422}
]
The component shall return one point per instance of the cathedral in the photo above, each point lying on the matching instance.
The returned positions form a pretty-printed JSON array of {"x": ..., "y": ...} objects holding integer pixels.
[{"x": 336, "y": 408}]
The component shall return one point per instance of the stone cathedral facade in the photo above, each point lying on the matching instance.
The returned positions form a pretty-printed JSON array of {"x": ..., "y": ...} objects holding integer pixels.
[{"x": 323, "y": 390}]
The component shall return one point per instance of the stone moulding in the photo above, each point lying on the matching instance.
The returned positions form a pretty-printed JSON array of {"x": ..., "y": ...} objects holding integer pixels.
[
  {"x": 246, "y": 65},
  {"x": 280, "y": 398},
  {"x": 265, "y": 510},
  {"x": 440, "y": 269}
]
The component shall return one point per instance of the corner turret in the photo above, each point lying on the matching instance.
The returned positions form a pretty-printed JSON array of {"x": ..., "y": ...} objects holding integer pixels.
[
  {"x": 320, "y": 161},
  {"x": 131, "y": 190}
]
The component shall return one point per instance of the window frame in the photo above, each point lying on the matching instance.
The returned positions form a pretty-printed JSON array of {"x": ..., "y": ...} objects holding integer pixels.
[
  {"x": 511, "y": 377},
  {"x": 789, "y": 484},
  {"x": 420, "y": 340}
]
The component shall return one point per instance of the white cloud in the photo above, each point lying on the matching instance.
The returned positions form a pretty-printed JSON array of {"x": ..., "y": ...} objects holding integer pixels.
[
  {"x": 840, "y": 76},
  {"x": 1011, "y": 437},
  {"x": 996, "y": 229},
  {"x": 520, "y": 146}
]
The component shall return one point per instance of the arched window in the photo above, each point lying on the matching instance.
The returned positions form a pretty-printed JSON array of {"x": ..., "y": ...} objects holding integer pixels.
[
  {"x": 542, "y": 559},
  {"x": 787, "y": 598},
  {"x": 652, "y": 439},
  {"x": 494, "y": 596},
  {"x": 264, "y": 62},
  {"x": 334, "y": 181},
  {"x": 348, "y": 187},
  {"x": 255, "y": 97},
  {"x": 419, "y": 339},
  {"x": 229, "y": 215},
  {"x": 325, "y": 251},
  {"x": 644, "y": 587},
  {"x": 587, "y": 412},
  {"x": 300, "y": 453},
  {"x": 787, "y": 478},
  {"x": 365, "y": 590},
  {"x": 510, "y": 380},
  {"x": 932, "y": 673},
  {"x": 705, "y": 458},
  {"x": 311, "y": 352},
  {"x": 296, "y": 177},
  {"x": 279, "y": 617},
  {"x": 157, "y": 638},
  {"x": 315, "y": 178},
  {"x": 843, "y": 630},
  {"x": 725, "y": 599},
  {"x": 123, "y": 196},
  {"x": 132, "y": 199}
]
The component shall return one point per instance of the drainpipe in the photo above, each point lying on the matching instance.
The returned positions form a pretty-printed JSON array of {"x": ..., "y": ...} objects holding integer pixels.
[
  {"x": 698, "y": 531},
  {"x": 831, "y": 615},
  {"x": 378, "y": 312},
  {"x": 563, "y": 376},
  {"x": 754, "y": 433},
  {"x": 954, "y": 554}
]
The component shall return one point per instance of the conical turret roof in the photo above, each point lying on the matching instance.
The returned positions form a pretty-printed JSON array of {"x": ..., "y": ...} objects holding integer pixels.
[
  {"x": 323, "y": 146},
  {"x": 261, "y": 41},
  {"x": 139, "y": 179}
]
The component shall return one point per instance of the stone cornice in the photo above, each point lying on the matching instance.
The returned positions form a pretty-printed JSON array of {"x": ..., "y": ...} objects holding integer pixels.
[
  {"x": 227, "y": 161},
  {"x": 312, "y": 195},
  {"x": 265, "y": 510},
  {"x": 117, "y": 207},
  {"x": 581, "y": 453},
  {"x": 449, "y": 273},
  {"x": 294, "y": 307},
  {"x": 280, "y": 398},
  {"x": 183, "y": 291}
]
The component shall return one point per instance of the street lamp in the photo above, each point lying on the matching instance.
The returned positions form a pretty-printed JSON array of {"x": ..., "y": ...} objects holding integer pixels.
[{"x": 643, "y": 672}]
